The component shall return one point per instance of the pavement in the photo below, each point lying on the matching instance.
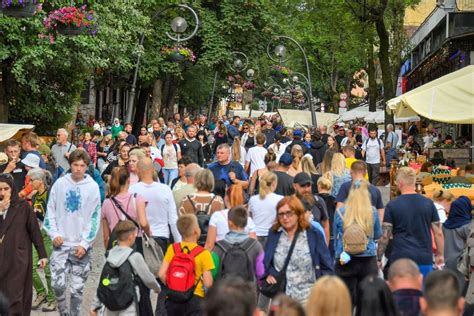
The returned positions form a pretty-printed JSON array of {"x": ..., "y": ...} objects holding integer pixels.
[{"x": 98, "y": 261}]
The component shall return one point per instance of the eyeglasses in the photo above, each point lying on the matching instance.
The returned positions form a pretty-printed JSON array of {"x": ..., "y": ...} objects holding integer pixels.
[{"x": 286, "y": 214}]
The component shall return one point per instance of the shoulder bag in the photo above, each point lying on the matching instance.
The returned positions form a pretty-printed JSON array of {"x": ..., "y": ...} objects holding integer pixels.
[{"x": 271, "y": 290}]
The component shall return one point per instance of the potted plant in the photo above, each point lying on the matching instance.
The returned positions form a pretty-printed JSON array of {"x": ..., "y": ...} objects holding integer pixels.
[
  {"x": 280, "y": 71},
  {"x": 20, "y": 8},
  {"x": 71, "y": 21},
  {"x": 178, "y": 54}
]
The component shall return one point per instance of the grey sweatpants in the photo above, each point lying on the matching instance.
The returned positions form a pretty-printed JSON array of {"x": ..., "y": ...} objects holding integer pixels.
[{"x": 64, "y": 264}]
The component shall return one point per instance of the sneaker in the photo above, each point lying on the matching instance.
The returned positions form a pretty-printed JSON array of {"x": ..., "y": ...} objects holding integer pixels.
[
  {"x": 39, "y": 300},
  {"x": 49, "y": 307}
]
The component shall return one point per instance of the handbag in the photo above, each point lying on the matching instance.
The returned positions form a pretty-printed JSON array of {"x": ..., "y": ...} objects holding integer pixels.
[
  {"x": 152, "y": 252},
  {"x": 271, "y": 290}
]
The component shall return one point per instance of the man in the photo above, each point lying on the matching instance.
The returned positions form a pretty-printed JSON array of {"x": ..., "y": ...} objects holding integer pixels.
[
  {"x": 318, "y": 148},
  {"x": 323, "y": 129},
  {"x": 409, "y": 219},
  {"x": 227, "y": 172},
  {"x": 202, "y": 126},
  {"x": 392, "y": 138},
  {"x": 255, "y": 158},
  {"x": 405, "y": 281},
  {"x": 461, "y": 177},
  {"x": 191, "y": 147},
  {"x": 373, "y": 151},
  {"x": 297, "y": 135},
  {"x": 341, "y": 135},
  {"x": 269, "y": 133},
  {"x": 14, "y": 166},
  {"x": 285, "y": 181},
  {"x": 346, "y": 140},
  {"x": 72, "y": 222},
  {"x": 29, "y": 145},
  {"x": 62, "y": 149},
  {"x": 302, "y": 186},
  {"x": 413, "y": 129},
  {"x": 233, "y": 129},
  {"x": 152, "y": 123},
  {"x": 442, "y": 295},
  {"x": 177, "y": 118},
  {"x": 412, "y": 146},
  {"x": 189, "y": 188},
  {"x": 349, "y": 153},
  {"x": 131, "y": 139},
  {"x": 358, "y": 172}
]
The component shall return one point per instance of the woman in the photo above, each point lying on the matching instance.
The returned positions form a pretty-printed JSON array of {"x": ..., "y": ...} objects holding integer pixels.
[
  {"x": 375, "y": 298},
  {"x": 122, "y": 160},
  {"x": 90, "y": 147},
  {"x": 220, "y": 137},
  {"x": 283, "y": 305},
  {"x": 248, "y": 138},
  {"x": 41, "y": 181},
  {"x": 116, "y": 128},
  {"x": 254, "y": 185},
  {"x": 277, "y": 147},
  {"x": 134, "y": 156},
  {"x": 178, "y": 134},
  {"x": 332, "y": 143},
  {"x": 307, "y": 165},
  {"x": 171, "y": 154},
  {"x": 307, "y": 141},
  {"x": 456, "y": 231},
  {"x": 218, "y": 225},
  {"x": 134, "y": 205},
  {"x": 329, "y": 297},
  {"x": 19, "y": 229},
  {"x": 442, "y": 200},
  {"x": 238, "y": 152},
  {"x": 297, "y": 154},
  {"x": 325, "y": 165},
  {"x": 103, "y": 150},
  {"x": 262, "y": 206},
  {"x": 339, "y": 173},
  {"x": 310, "y": 257},
  {"x": 206, "y": 148},
  {"x": 425, "y": 171},
  {"x": 359, "y": 211},
  {"x": 51, "y": 164}
]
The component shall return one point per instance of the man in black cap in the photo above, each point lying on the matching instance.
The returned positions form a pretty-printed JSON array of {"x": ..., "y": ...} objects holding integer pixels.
[
  {"x": 312, "y": 203},
  {"x": 285, "y": 181}
]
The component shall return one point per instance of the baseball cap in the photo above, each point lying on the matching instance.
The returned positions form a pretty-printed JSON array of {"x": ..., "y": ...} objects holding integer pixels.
[
  {"x": 286, "y": 159},
  {"x": 43, "y": 149},
  {"x": 31, "y": 160},
  {"x": 297, "y": 132},
  {"x": 302, "y": 178},
  {"x": 106, "y": 132}
]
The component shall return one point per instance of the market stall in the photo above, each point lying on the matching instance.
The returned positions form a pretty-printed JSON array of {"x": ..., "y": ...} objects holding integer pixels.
[{"x": 295, "y": 118}]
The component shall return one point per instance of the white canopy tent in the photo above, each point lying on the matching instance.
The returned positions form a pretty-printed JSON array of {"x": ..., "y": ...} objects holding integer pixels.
[
  {"x": 354, "y": 114},
  {"x": 295, "y": 118},
  {"x": 8, "y": 131},
  {"x": 378, "y": 117}
]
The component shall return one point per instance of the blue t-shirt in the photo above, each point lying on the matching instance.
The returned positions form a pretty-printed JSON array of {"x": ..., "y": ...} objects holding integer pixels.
[
  {"x": 221, "y": 172},
  {"x": 375, "y": 195},
  {"x": 411, "y": 216}
]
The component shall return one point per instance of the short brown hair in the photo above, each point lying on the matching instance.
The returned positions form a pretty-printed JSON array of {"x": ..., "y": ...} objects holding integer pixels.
[
  {"x": 239, "y": 216},
  {"x": 296, "y": 206},
  {"x": 186, "y": 224},
  {"x": 12, "y": 143},
  {"x": 348, "y": 148},
  {"x": 123, "y": 229},
  {"x": 261, "y": 138},
  {"x": 32, "y": 138},
  {"x": 359, "y": 166},
  {"x": 204, "y": 180},
  {"x": 79, "y": 154}
]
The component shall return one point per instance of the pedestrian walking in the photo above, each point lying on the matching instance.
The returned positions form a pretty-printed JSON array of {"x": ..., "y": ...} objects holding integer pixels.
[{"x": 374, "y": 154}]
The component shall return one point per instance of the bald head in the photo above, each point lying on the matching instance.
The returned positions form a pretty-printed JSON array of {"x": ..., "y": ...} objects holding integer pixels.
[{"x": 404, "y": 274}]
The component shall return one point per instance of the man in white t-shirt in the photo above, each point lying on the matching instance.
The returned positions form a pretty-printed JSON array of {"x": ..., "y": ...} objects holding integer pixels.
[
  {"x": 374, "y": 154},
  {"x": 255, "y": 158}
]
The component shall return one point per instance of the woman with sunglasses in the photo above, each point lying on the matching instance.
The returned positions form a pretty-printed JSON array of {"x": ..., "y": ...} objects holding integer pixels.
[
  {"x": 249, "y": 137},
  {"x": 309, "y": 258}
]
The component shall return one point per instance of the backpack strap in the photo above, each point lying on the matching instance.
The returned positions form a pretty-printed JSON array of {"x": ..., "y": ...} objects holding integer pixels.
[
  {"x": 177, "y": 248},
  {"x": 196, "y": 251},
  {"x": 162, "y": 149},
  {"x": 209, "y": 206},
  {"x": 192, "y": 203},
  {"x": 246, "y": 245}
]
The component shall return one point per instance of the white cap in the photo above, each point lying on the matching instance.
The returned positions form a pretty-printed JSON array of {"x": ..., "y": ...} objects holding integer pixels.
[{"x": 31, "y": 160}]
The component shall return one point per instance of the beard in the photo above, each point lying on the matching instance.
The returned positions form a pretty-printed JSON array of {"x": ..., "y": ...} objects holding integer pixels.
[{"x": 306, "y": 198}]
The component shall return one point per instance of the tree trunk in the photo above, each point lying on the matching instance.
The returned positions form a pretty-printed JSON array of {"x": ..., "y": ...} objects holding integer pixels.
[
  {"x": 157, "y": 99},
  {"x": 140, "y": 109},
  {"x": 371, "y": 74}
]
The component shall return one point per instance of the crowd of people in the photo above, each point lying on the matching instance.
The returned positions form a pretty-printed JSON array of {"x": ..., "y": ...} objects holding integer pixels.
[{"x": 231, "y": 217}]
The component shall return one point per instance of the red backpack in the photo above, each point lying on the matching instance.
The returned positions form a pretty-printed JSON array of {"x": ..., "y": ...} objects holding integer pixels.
[{"x": 182, "y": 273}]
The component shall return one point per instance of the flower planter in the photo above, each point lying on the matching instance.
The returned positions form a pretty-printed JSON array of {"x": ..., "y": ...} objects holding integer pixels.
[
  {"x": 20, "y": 11},
  {"x": 176, "y": 57},
  {"x": 70, "y": 30}
]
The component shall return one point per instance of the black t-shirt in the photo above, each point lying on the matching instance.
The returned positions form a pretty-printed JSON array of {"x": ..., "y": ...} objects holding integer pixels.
[
  {"x": 331, "y": 208},
  {"x": 318, "y": 208},
  {"x": 18, "y": 174},
  {"x": 411, "y": 216},
  {"x": 375, "y": 195},
  {"x": 339, "y": 139},
  {"x": 131, "y": 139},
  {"x": 284, "y": 184}
]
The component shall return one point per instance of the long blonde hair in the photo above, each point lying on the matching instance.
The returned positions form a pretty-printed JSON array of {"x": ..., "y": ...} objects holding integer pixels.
[
  {"x": 359, "y": 208},
  {"x": 307, "y": 165},
  {"x": 338, "y": 164},
  {"x": 266, "y": 182},
  {"x": 236, "y": 149},
  {"x": 297, "y": 154},
  {"x": 329, "y": 297}
]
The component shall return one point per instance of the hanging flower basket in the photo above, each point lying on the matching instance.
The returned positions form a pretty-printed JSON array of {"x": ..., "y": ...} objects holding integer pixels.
[
  {"x": 248, "y": 85},
  {"x": 20, "y": 8},
  {"x": 178, "y": 54},
  {"x": 278, "y": 71},
  {"x": 71, "y": 21}
]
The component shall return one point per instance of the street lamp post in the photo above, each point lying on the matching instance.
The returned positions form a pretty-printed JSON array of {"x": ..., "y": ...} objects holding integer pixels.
[
  {"x": 179, "y": 25},
  {"x": 280, "y": 52}
]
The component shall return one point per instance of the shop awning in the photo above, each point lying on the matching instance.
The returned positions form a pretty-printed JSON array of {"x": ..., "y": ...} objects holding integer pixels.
[
  {"x": 448, "y": 99},
  {"x": 354, "y": 114},
  {"x": 295, "y": 118},
  {"x": 15, "y": 131},
  {"x": 379, "y": 118}
]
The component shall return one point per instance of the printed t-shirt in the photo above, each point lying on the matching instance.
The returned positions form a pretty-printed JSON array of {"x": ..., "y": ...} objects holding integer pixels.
[{"x": 375, "y": 195}]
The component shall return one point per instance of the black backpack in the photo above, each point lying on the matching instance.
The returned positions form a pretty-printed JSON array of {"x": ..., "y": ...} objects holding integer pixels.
[
  {"x": 235, "y": 261},
  {"x": 203, "y": 218},
  {"x": 117, "y": 286}
]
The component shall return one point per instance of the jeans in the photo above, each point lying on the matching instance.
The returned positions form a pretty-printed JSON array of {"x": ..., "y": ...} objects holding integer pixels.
[
  {"x": 37, "y": 282},
  {"x": 169, "y": 175},
  {"x": 373, "y": 169}
]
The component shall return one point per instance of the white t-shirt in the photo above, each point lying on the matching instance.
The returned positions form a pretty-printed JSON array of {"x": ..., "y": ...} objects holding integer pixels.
[
  {"x": 170, "y": 156},
  {"x": 160, "y": 208},
  {"x": 263, "y": 212},
  {"x": 155, "y": 153},
  {"x": 441, "y": 212},
  {"x": 256, "y": 157},
  {"x": 219, "y": 221},
  {"x": 372, "y": 150}
]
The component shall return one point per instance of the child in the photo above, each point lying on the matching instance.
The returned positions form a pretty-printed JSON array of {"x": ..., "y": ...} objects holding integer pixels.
[
  {"x": 126, "y": 234},
  {"x": 177, "y": 257},
  {"x": 239, "y": 255}
]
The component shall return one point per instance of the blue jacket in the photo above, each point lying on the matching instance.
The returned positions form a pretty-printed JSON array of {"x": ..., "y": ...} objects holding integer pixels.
[{"x": 322, "y": 261}]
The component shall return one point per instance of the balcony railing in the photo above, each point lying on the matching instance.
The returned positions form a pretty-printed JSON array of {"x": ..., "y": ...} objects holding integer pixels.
[{"x": 465, "y": 5}]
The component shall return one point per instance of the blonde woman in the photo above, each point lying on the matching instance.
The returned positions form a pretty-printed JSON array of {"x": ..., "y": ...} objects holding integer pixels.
[
  {"x": 262, "y": 206},
  {"x": 178, "y": 134},
  {"x": 442, "y": 200},
  {"x": 307, "y": 166},
  {"x": 297, "y": 154},
  {"x": 238, "y": 152},
  {"x": 339, "y": 173},
  {"x": 134, "y": 156},
  {"x": 353, "y": 268},
  {"x": 329, "y": 297}
]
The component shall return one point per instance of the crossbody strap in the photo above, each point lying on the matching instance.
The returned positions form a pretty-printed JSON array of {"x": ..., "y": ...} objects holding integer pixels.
[
  {"x": 290, "y": 252},
  {"x": 124, "y": 213}
]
